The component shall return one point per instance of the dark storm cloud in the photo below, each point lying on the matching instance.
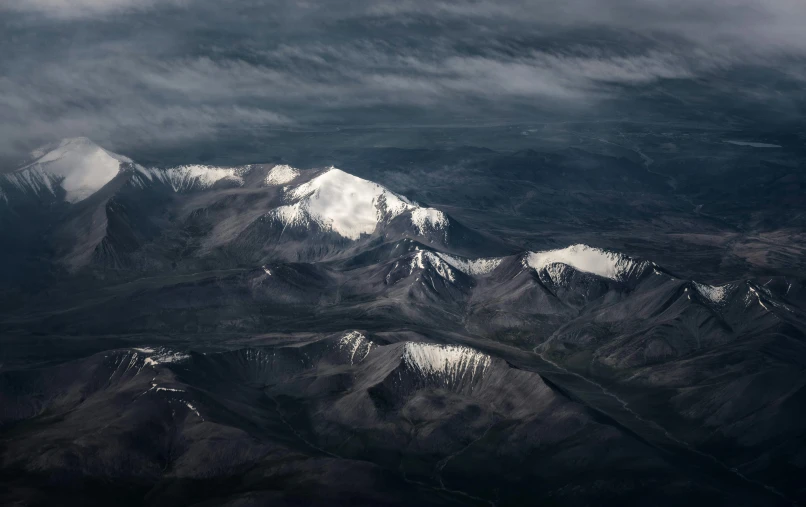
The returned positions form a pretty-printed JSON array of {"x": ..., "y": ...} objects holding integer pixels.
[{"x": 147, "y": 70}]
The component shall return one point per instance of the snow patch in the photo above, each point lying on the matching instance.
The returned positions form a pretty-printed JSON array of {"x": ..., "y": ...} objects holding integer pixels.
[
  {"x": 161, "y": 356},
  {"x": 428, "y": 219},
  {"x": 715, "y": 294},
  {"x": 612, "y": 265},
  {"x": 472, "y": 266},
  {"x": 442, "y": 268},
  {"x": 292, "y": 215},
  {"x": 196, "y": 177},
  {"x": 452, "y": 363},
  {"x": 169, "y": 389},
  {"x": 753, "y": 292},
  {"x": 281, "y": 174},
  {"x": 356, "y": 345},
  {"x": 193, "y": 408}
]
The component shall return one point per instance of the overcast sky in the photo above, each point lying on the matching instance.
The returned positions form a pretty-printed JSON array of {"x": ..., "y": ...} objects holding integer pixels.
[{"x": 147, "y": 71}]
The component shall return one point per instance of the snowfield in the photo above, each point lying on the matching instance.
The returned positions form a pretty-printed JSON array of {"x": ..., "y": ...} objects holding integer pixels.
[{"x": 350, "y": 206}]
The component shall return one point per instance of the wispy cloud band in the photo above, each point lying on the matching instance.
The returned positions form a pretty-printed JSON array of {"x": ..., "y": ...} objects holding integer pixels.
[{"x": 175, "y": 69}]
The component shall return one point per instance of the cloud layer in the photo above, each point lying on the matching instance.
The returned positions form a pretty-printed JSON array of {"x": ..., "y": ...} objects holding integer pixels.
[
  {"x": 145, "y": 71},
  {"x": 81, "y": 8}
]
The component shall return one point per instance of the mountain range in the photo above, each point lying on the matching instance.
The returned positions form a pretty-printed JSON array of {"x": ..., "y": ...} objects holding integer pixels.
[{"x": 206, "y": 335}]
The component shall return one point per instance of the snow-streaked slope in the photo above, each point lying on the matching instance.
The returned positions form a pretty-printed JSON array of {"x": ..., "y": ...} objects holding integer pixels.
[
  {"x": 195, "y": 177},
  {"x": 612, "y": 265},
  {"x": 443, "y": 269},
  {"x": 450, "y": 363},
  {"x": 471, "y": 266},
  {"x": 350, "y": 206},
  {"x": 77, "y": 165},
  {"x": 428, "y": 219},
  {"x": 419, "y": 263},
  {"x": 356, "y": 345},
  {"x": 715, "y": 294},
  {"x": 160, "y": 355},
  {"x": 281, "y": 174},
  {"x": 761, "y": 295}
]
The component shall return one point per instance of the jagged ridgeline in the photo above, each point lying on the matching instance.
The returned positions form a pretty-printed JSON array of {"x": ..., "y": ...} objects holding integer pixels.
[{"x": 90, "y": 208}]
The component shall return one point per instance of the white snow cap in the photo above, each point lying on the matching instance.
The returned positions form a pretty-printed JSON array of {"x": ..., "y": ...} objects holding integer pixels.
[
  {"x": 348, "y": 205},
  {"x": 281, "y": 174},
  {"x": 612, "y": 265},
  {"x": 451, "y": 363},
  {"x": 78, "y": 165}
]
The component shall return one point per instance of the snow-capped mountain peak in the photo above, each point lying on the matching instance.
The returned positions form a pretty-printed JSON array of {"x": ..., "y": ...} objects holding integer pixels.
[
  {"x": 442, "y": 267},
  {"x": 351, "y": 206},
  {"x": 587, "y": 259},
  {"x": 423, "y": 263},
  {"x": 79, "y": 166}
]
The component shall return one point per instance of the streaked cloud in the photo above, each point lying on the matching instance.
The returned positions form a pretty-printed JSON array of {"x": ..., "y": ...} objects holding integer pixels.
[
  {"x": 145, "y": 70},
  {"x": 83, "y": 8}
]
